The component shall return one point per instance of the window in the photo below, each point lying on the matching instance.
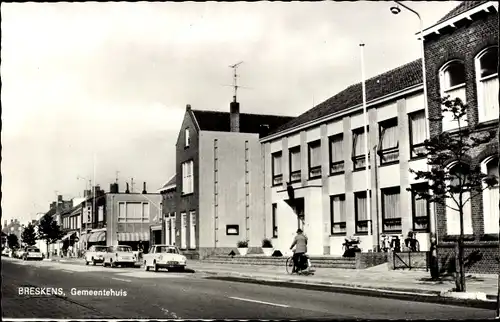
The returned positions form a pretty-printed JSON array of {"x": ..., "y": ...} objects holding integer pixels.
[
  {"x": 145, "y": 211},
  {"x": 418, "y": 133},
  {"x": 274, "y": 221},
  {"x": 452, "y": 81},
  {"x": 314, "y": 159},
  {"x": 338, "y": 214},
  {"x": 491, "y": 198},
  {"x": 192, "y": 229},
  {"x": 487, "y": 84},
  {"x": 452, "y": 215},
  {"x": 336, "y": 154},
  {"x": 358, "y": 149},
  {"x": 187, "y": 177},
  {"x": 100, "y": 211},
  {"x": 187, "y": 138},
  {"x": 295, "y": 165},
  {"x": 391, "y": 213},
  {"x": 134, "y": 212},
  {"x": 121, "y": 211},
  {"x": 420, "y": 208},
  {"x": 277, "y": 171},
  {"x": 389, "y": 141},
  {"x": 183, "y": 230},
  {"x": 232, "y": 230},
  {"x": 361, "y": 213}
]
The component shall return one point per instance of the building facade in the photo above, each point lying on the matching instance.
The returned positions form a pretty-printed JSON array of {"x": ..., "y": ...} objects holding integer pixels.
[
  {"x": 168, "y": 229},
  {"x": 461, "y": 52},
  {"x": 322, "y": 154},
  {"x": 219, "y": 180}
]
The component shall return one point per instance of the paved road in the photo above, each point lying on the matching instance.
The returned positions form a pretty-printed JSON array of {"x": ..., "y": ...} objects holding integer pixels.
[{"x": 167, "y": 295}]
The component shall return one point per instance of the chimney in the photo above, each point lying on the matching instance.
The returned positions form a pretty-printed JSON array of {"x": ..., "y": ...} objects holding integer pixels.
[
  {"x": 188, "y": 107},
  {"x": 59, "y": 198},
  {"x": 127, "y": 190},
  {"x": 113, "y": 188},
  {"x": 144, "y": 188},
  {"x": 263, "y": 130},
  {"x": 234, "y": 116}
]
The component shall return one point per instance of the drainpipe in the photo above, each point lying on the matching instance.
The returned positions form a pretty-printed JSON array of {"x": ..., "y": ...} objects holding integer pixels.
[{"x": 376, "y": 198}]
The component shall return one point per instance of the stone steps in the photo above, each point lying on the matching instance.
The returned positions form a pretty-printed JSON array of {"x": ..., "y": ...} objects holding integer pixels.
[{"x": 326, "y": 262}]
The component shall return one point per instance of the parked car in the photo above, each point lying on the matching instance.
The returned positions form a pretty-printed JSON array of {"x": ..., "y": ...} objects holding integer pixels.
[
  {"x": 6, "y": 251},
  {"x": 119, "y": 256},
  {"x": 164, "y": 256},
  {"x": 95, "y": 254},
  {"x": 32, "y": 252},
  {"x": 19, "y": 253}
]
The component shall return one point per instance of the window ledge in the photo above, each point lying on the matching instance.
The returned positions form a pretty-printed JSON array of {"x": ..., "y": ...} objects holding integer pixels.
[
  {"x": 392, "y": 231},
  {"x": 338, "y": 234},
  {"x": 314, "y": 178},
  {"x": 187, "y": 194},
  {"x": 486, "y": 124},
  {"x": 361, "y": 234},
  {"x": 421, "y": 230},
  {"x": 360, "y": 169},
  {"x": 295, "y": 181},
  {"x": 451, "y": 89},
  {"x": 467, "y": 237},
  {"x": 336, "y": 173},
  {"x": 388, "y": 163},
  {"x": 489, "y": 237},
  {"x": 485, "y": 78}
]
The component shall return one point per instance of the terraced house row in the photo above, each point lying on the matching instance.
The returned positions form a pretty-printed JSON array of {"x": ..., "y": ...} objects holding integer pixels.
[{"x": 233, "y": 169}]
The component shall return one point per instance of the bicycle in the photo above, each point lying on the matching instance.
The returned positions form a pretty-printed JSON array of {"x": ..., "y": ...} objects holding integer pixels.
[{"x": 290, "y": 265}]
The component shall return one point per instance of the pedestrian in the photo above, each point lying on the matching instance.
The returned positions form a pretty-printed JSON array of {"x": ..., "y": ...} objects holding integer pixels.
[{"x": 433, "y": 259}]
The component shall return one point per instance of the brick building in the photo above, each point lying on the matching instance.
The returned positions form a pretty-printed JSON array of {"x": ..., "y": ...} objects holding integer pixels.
[
  {"x": 461, "y": 52},
  {"x": 166, "y": 226}
]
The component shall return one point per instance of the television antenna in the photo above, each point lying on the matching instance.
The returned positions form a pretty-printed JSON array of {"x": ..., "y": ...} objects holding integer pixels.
[
  {"x": 235, "y": 80},
  {"x": 116, "y": 179}
]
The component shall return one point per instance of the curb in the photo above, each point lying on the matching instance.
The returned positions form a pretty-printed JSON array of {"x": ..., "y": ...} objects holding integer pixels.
[{"x": 439, "y": 297}]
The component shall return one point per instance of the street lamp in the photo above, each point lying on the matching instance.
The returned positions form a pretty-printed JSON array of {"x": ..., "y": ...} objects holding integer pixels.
[{"x": 396, "y": 10}]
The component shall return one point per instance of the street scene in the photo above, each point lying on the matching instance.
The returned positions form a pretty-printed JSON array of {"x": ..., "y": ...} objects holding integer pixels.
[{"x": 328, "y": 160}]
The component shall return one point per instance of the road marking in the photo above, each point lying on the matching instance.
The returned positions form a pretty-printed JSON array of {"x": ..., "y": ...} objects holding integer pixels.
[
  {"x": 260, "y": 302},
  {"x": 121, "y": 279}
]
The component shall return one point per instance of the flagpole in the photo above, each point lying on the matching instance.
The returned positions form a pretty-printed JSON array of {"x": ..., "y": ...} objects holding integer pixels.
[{"x": 367, "y": 170}]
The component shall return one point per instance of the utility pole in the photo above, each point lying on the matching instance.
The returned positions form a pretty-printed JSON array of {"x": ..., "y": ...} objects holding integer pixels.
[{"x": 498, "y": 140}]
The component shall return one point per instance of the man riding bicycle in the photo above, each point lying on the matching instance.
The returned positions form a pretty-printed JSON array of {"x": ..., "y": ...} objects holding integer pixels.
[{"x": 300, "y": 243}]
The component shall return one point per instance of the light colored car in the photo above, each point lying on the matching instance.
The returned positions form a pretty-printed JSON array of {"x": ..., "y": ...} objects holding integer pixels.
[
  {"x": 95, "y": 254},
  {"x": 164, "y": 256},
  {"x": 6, "y": 251},
  {"x": 32, "y": 253},
  {"x": 19, "y": 253},
  {"x": 119, "y": 256}
]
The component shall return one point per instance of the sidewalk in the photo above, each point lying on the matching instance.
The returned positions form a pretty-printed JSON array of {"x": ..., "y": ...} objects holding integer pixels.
[{"x": 479, "y": 287}]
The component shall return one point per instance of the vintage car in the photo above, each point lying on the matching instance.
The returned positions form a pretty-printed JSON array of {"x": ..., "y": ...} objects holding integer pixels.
[
  {"x": 164, "y": 256},
  {"x": 119, "y": 256},
  {"x": 95, "y": 254},
  {"x": 32, "y": 252}
]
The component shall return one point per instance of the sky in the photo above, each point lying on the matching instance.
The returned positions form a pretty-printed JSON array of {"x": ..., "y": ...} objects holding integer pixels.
[{"x": 89, "y": 89}]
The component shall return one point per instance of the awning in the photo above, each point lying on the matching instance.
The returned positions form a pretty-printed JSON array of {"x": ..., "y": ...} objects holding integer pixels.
[
  {"x": 68, "y": 235},
  {"x": 126, "y": 237},
  {"x": 98, "y": 236}
]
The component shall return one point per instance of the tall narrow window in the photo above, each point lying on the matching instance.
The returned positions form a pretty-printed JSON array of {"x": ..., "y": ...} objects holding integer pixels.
[
  {"x": 121, "y": 212},
  {"x": 295, "y": 165},
  {"x": 420, "y": 208},
  {"x": 389, "y": 141},
  {"x": 314, "y": 159},
  {"x": 336, "y": 154},
  {"x": 187, "y": 138},
  {"x": 391, "y": 212},
  {"x": 192, "y": 230},
  {"x": 457, "y": 173},
  {"x": 338, "y": 214},
  {"x": 452, "y": 81},
  {"x": 491, "y": 198},
  {"x": 417, "y": 133},
  {"x": 187, "y": 177},
  {"x": 277, "y": 171},
  {"x": 145, "y": 212},
  {"x": 274, "y": 220},
  {"x": 487, "y": 84},
  {"x": 183, "y": 230},
  {"x": 361, "y": 212}
]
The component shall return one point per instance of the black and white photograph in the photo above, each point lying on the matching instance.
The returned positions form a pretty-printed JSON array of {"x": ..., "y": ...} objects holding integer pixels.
[{"x": 262, "y": 160}]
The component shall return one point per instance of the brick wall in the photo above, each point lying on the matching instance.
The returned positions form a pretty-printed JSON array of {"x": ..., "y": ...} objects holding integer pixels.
[
  {"x": 464, "y": 43},
  {"x": 365, "y": 260}
]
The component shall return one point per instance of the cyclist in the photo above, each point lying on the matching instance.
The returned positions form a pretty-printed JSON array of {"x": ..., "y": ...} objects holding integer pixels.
[{"x": 300, "y": 243}]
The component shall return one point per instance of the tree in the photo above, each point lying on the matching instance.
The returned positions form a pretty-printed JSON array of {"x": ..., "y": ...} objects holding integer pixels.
[
  {"x": 12, "y": 241},
  {"x": 29, "y": 235},
  {"x": 49, "y": 230},
  {"x": 454, "y": 186}
]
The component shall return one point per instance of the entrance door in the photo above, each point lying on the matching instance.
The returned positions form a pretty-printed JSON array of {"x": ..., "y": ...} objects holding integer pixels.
[{"x": 183, "y": 230}]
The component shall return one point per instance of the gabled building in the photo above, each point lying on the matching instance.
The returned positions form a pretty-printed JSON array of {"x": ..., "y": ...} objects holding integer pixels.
[
  {"x": 219, "y": 180},
  {"x": 461, "y": 52}
]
